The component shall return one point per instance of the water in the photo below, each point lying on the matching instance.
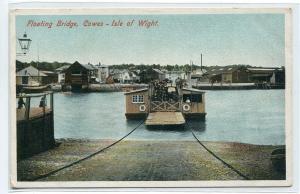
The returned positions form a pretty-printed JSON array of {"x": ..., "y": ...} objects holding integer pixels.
[{"x": 248, "y": 116}]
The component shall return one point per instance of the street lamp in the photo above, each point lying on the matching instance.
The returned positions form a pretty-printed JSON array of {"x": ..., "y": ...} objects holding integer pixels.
[{"x": 24, "y": 43}]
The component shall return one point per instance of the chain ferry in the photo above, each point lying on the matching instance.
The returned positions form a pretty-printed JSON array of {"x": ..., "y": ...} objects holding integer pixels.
[{"x": 164, "y": 104}]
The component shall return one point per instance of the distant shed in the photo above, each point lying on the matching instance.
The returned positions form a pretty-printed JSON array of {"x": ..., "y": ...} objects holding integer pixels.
[
  {"x": 151, "y": 74},
  {"x": 228, "y": 74},
  {"x": 267, "y": 74},
  {"x": 79, "y": 75}
]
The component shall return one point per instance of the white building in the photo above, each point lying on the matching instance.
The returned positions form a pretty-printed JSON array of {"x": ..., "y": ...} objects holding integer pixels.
[
  {"x": 61, "y": 73},
  {"x": 103, "y": 72},
  {"x": 129, "y": 77},
  {"x": 173, "y": 75},
  {"x": 29, "y": 76}
]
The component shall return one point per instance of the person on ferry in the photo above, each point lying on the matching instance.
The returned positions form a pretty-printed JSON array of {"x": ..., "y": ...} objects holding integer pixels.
[{"x": 187, "y": 100}]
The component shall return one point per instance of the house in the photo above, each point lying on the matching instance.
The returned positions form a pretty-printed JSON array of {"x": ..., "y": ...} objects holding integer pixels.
[
  {"x": 79, "y": 76},
  {"x": 30, "y": 76},
  {"x": 135, "y": 76},
  {"x": 228, "y": 74},
  {"x": 129, "y": 77},
  {"x": 61, "y": 73},
  {"x": 267, "y": 75},
  {"x": 126, "y": 77},
  {"x": 150, "y": 74}
]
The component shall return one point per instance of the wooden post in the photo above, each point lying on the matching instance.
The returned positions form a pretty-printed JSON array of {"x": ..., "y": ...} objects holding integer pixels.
[
  {"x": 51, "y": 101},
  {"x": 44, "y": 106},
  {"x": 26, "y": 133},
  {"x": 52, "y": 119},
  {"x": 43, "y": 103},
  {"x": 27, "y": 108}
]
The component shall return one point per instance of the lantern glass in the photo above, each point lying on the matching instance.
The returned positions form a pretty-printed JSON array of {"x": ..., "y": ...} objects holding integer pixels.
[{"x": 24, "y": 43}]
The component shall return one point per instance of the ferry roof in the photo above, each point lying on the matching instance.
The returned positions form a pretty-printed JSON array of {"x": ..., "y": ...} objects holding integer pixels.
[
  {"x": 136, "y": 91},
  {"x": 193, "y": 90}
]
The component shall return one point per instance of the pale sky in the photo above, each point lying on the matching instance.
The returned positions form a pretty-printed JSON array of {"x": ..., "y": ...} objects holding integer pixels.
[{"x": 224, "y": 39}]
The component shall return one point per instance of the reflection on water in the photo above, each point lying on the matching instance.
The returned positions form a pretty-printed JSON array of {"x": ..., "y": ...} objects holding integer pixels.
[
  {"x": 197, "y": 126},
  {"x": 248, "y": 116},
  {"x": 179, "y": 128}
]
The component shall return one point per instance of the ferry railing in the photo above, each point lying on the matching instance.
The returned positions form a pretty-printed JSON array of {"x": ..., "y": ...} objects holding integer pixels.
[
  {"x": 165, "y": 106},
  {"x": 35, "y": 105}
]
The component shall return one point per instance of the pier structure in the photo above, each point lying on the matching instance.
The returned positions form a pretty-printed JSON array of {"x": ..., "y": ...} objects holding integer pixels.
[{"x": 35, "y": 123}]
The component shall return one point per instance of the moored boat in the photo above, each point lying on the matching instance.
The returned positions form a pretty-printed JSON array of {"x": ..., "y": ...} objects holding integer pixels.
[{"x": 35, "y": 89}]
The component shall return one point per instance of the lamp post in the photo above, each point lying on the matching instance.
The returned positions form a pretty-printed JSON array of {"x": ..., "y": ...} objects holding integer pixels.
[{"x": 25, "y": 44}]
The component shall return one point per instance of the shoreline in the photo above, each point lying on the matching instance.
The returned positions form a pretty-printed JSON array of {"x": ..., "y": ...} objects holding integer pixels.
[
  {"x": 78, "y": 140},
  {"x": 117, "y": 87},
  {"x": 150, "y": 160}
]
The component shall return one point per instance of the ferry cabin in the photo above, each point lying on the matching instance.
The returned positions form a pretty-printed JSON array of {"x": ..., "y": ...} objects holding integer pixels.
[
  {"x": 190, "y": 102},
  {"x": 193, "y": 103},
  {"x": 137, "y": 104}
]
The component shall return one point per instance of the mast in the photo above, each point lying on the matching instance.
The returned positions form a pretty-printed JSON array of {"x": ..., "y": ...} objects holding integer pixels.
[
  {"x": 190, "y": 75},
  {"x": 201, "y": 63}
]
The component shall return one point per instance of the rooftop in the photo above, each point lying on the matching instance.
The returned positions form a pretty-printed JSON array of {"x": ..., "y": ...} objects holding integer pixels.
[
  {"x": 136, "y": 91},
  {"x": 30, "y": 71},
  {"x": 193, "y": 90}
]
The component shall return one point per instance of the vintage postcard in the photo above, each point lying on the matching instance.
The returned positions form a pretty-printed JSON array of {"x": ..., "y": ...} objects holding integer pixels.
[{"x": 151, "y": 97}]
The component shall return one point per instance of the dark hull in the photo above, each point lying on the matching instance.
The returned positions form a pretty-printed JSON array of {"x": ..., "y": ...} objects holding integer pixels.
[
  {"x": 136, "y": 115},
  {"x": 178, "y": 127},
  {"x": 194, "y": 116}
]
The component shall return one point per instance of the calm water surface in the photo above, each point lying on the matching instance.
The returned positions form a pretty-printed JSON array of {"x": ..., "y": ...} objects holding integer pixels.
[{"x": 248, "y": 116}]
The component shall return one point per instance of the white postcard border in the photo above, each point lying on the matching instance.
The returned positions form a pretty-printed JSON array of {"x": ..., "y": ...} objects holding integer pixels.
[{"x": 159, "y": 184}]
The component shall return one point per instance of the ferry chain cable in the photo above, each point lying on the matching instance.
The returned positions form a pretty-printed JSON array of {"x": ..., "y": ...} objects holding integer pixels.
[
  {"x": 87, "y": 157},
  {"x": 217, "y": 157}
]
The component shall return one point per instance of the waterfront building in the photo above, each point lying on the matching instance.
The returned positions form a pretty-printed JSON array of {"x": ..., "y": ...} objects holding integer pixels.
[
  {"x": 79, "y": 76},
  {"x": 30, "y": 76},
  {"x": 271, "y": 75},
  {"x": 228, "y": 74},
  {"x": 151, "y": 74}
]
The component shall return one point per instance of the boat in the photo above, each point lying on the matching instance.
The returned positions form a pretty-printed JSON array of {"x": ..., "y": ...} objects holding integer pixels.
[
  {"x": 163, "y": 104},
  {"x": 35, "y": 89}
]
